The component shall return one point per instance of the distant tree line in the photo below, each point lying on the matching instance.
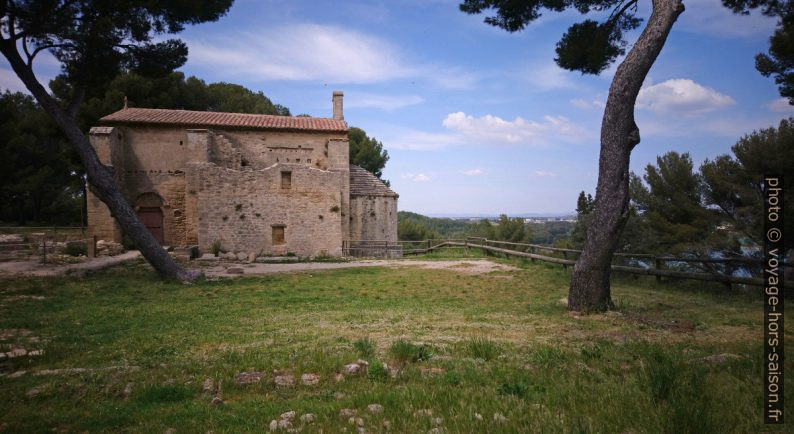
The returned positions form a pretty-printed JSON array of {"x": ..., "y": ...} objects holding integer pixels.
[
  {"x": 713, "y": 211},
  {"x": 414, "y": 227},
  {"x": 42, "y": 179},
  {"x": 716, "y": 210}
]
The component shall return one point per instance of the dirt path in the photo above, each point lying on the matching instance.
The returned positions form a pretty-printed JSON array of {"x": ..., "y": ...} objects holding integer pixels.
[
  {"x": 223, "y": 269},
  {"x": 478, "y": 266},
  {"x": 35, "y": 268}
]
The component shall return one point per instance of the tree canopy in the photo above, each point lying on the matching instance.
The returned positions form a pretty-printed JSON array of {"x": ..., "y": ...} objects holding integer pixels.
[
  {"x": 779, "y": 61},
  {"x": 34, "y": 148},
  {"x": 367, "y": 152},
  {"x": 172, "y": 91},
  {"x": 733, "y": 183},
  {"x": 40, "y": 177},
  {"x": 588, "y": 46},
  {"x": 94, "y": 41},
  {"x": 670, "y": 202}
]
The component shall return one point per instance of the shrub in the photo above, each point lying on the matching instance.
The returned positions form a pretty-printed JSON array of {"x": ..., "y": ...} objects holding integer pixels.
[
  {"x": 216, "y": 248},
  {"x": 365, "y": 348},
  {"x": 75, "y": 248},
  {"x": 405, "y": 352},
  {"x": 515, "y": 388},
  {"x": 483, "y": 348},
  {"x": 377, "y": 371},
  {"x": 452, "y": 378}
]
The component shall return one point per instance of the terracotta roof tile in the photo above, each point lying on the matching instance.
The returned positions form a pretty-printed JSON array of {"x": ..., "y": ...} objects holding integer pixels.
[
  {"x": 220, "y": 119},
  {"x": 364, "y": 183}
]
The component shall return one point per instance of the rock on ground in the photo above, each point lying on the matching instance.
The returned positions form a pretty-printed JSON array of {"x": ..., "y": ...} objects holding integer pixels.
[
  {"x": 252, "y": 377},
  {"x": 284, "y": 380},
  {"x": 347, "y": 412},
  {"x": 208, "y": 387},
  {"x": 310, "y": 379},
  {"x": 356, "y": 368}
]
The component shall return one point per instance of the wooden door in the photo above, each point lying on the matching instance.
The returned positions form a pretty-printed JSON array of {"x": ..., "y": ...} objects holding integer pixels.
[{"x": 152, "y": 218}]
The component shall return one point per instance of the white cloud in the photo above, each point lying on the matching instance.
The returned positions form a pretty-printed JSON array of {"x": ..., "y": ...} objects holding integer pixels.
[
  {"x": 303, "y": 52},
  {"x": 385, "y": 102},
  {"x": 587, "y": 105},
  {"x": 493, "y": 129},
  {"x": 330, "y": 54},
  {"x": 710, "y": 17},
  {"x": 472, "y": 172},
  {"x": 548, "y": 76},
  {"x": 730, "y": 127},
  {"x": 682, "y": 96},
  {"x": 414, "y": 140},
  {"x": 779, "y": 105},
  {"x": 416, "y": 177},
  {"x": 545, "y": 173}
]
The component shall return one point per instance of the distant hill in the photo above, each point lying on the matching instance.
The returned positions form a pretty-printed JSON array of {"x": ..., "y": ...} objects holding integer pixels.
[{"x": 496, "y": 216}]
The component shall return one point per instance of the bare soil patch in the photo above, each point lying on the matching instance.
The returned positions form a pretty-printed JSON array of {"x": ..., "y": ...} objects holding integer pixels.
[{"x": 471, "y": 267}]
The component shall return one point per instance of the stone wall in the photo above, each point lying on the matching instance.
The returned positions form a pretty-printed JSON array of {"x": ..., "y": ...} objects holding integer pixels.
[
  {"x": 169, "y": 185},
  {"x": 107, "y": 141},
  {"x": 373, "y": 218},
  {"x": 261, "y": 149},
  {"x": 224, "y": 185},
  {"x": 238, "y": 209}
]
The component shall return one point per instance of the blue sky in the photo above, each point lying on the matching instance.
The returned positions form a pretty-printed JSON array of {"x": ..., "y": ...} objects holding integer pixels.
[{"x": 477, "y": 120}]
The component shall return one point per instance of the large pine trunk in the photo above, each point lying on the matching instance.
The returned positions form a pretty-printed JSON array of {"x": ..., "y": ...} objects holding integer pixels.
[
  {"x": 590, "y": 288},
  {"x": 100, "y": 177}
]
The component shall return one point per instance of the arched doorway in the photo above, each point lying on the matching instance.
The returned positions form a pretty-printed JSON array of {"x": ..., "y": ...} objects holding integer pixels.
[{"x": 148, "y": 206}]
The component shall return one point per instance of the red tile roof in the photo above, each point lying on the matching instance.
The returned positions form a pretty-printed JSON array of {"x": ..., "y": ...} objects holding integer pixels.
[{"x": 219, "y": 119}]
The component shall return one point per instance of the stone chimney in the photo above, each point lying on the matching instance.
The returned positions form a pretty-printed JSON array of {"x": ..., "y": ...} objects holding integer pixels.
[{"x": 337, "y": 99}]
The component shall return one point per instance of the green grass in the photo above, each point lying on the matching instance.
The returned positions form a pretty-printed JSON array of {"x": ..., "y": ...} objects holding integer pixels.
[
  {"x": 406, "y": 352},
  {"x": 463, "y": 344}
]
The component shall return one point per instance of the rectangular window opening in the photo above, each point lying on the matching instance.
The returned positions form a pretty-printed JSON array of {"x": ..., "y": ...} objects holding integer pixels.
[
  {"x": 286, "y": 180},
  {"x": 278, "y": 235}
]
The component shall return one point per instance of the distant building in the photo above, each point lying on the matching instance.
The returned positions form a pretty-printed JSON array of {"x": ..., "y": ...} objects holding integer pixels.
[{"x": 253, "y": 183}]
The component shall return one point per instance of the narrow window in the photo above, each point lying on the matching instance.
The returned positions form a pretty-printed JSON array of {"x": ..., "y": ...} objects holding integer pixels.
[
  {"x": 278, "y": 235},
  {"x": 286, "y": 180}
]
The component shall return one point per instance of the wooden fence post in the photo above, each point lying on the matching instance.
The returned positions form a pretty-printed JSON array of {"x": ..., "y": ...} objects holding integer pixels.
[
  {"x": 657, "y": 263},
  {"x": 565, "y": 256},
  {"x": 90, "y": 249}
]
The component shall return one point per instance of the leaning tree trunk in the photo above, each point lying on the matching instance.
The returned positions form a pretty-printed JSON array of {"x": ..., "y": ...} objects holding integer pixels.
[
  {"x": 590, "y": 289},
  {"x": 100, "y": 177}
]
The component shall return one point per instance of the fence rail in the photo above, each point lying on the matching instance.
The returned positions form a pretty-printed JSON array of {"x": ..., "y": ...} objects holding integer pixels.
[
  {"x": 658, "y": 268},
  {"x": 44, "y": 246}
]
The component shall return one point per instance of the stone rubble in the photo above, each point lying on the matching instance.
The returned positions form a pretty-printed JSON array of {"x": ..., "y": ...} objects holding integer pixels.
[
  {"x": 375, "y": 408},
  {"x": 310, "y": 379},
  {"x": 252, "y": 377}
]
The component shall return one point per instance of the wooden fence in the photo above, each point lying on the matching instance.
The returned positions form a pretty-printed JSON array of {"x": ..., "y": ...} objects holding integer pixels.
[{"x": 659, "y": 266}]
